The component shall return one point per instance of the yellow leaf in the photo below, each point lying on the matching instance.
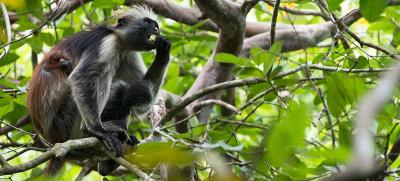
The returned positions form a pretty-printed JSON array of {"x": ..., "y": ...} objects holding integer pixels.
[
  {"x": 3, "y": 35},
  {"x": 290, "y": 4},
  {"x": 149, "y": 155},
  {"x": 15, "y": 4},
  {"x": 363, "y": 21}
]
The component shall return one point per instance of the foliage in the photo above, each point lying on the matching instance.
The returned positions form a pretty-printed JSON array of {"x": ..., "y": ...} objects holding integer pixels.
[{"x": 286, "y": 134}]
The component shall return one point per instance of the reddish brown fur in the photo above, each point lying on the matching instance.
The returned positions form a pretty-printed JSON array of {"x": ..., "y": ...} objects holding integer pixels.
[
  {"x": 49, "y": 87},
  {"x": 46, "y": 75}
]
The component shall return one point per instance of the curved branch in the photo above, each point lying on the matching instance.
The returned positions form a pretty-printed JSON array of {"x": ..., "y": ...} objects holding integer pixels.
[
  {"x": 58, "y": 150},
  {"x": 21, "y": 122},
  {"x": 61, "y": 149},
  {"x": 251, "y": 81},
  {"x": 8, "y": 29},
  {"x": 301, "y": 37},
  {"x": 297, "y": 11},
  {"x": 218, "y": 102}
]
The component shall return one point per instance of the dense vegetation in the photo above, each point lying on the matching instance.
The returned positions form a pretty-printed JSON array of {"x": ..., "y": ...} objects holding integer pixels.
[{"x": 275, "y": 94}]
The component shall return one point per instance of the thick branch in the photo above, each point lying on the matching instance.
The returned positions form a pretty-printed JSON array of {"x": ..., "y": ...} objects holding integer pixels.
[
  {"x": 248, "y": 5},
  {"x": 58, "y": 150},
  {"x": 61, "y": 149},
  {"x": 232, "y": 26},
  {"x": 190, "y": 16},
  {"x": 298, "y": 38}
]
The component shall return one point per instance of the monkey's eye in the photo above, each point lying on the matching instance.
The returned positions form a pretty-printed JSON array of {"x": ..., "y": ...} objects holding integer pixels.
[
  {"x": 121, "y": 22},
  {"x": 147, "y": 20}
]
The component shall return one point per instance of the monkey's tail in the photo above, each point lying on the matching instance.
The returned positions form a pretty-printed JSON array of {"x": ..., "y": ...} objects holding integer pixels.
[{"x": 54, "y": 166}]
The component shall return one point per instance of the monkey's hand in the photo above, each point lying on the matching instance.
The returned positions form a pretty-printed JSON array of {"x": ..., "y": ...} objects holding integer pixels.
[
  {"x": 163, "y": 46},
  {"x": 132, "y": 140},
  {"x": 109, "y": 137}
]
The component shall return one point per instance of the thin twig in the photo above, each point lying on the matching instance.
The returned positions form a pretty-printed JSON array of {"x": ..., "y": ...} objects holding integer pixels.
[
  {"x": 273, "y": 21},
  {"x": 243, "y": 120},
  {"x": 85, "y": 169},
  {"x": 8, "y": 29},
  {"x": 240, "y": 123},
  {"x": 218, "y": 102},
  {"x": 296, "y": 11},
  {"x": 21, "y": 122},
  {"x": 37, "y": 29},
  {"x": 19, "y": 129},
  {"x": 251, "y": 81},
  {"x": 3, "y": 162},
  {"x": 133, "y": 168},
  {"x": 255, "y": 98},
  {"x": 181, "y": 121}
]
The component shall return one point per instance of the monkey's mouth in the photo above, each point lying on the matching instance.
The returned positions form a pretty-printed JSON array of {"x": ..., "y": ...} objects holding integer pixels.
[{"x": 152, "y": 37}]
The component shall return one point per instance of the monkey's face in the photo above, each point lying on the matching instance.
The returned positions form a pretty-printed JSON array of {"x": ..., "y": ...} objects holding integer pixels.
[{"x": 138, "y": 34}]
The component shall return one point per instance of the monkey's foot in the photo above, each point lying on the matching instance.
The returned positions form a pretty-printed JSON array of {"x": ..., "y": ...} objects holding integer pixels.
[{"x": 109, "y": 139}]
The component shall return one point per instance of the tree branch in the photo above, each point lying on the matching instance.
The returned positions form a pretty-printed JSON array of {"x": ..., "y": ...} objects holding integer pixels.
[
  {"x": 218, "y": 102},
  {"x": 363, "y": 164},
  {"x": 61, "y": 149},
  {"x": 21, "y": 122},
  {"x": 231, "y": 21},
  {"x": 251, "y": 81},
  {"x": 273, "y": 21},
  {"x": 296, "y": 11},
  {"x": 247, "y": 5},
  {"x": 298, "y": 38}
]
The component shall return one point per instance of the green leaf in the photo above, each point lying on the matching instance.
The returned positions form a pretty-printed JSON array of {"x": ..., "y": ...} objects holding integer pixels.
[
  {"x": 248, "y": 72},
  {"x": 334, "y": 4},
  {"x": 151, "y": 154},
  {"x": 362, "y": 62},
  {"x": 276, "y": 71},
  {"x": 342, "y": 91},
  {"x": 344, "y": 134},
  {"x": 266, "y": 58},
  {"x": 17, "y": 112},
  {"x": 396, "y": 37},
  {"x": 8, "y": 84},
  {"x": 258, "y": 55},
  {"x": 25, "y": 25},
  {"x": 383, "y": 25},
  {"x": 7, "y": 108},
  {"x": 273, "y": 53},
  {"x": 35, "y": 8},
  {"x": 288, "y": 135},
  {"x": 4, "y": 101},
  {"x": 229, "y": 58},
  {"x": 372, "y": 9},
  {"x": 223, "y": 145},
  {"x": 107, "y": 4},
  {"x": 36, "y": 44},
  {"x": 47, "y": 38},
  {"x": 9, "y": 58},
  {"x": 21, "y": 100}
]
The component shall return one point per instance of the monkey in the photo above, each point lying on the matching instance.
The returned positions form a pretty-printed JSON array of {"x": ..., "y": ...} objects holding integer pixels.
[
  {"x": 65, "y": 66},
  {"x": 89, "y": 83}
]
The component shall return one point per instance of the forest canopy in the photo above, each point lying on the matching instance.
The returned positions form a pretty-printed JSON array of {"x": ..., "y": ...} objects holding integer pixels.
[{"x": 254, "y": 90}]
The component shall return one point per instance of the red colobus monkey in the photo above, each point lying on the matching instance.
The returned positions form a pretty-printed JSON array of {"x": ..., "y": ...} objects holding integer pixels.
[{"x": 90, "y": 82}]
